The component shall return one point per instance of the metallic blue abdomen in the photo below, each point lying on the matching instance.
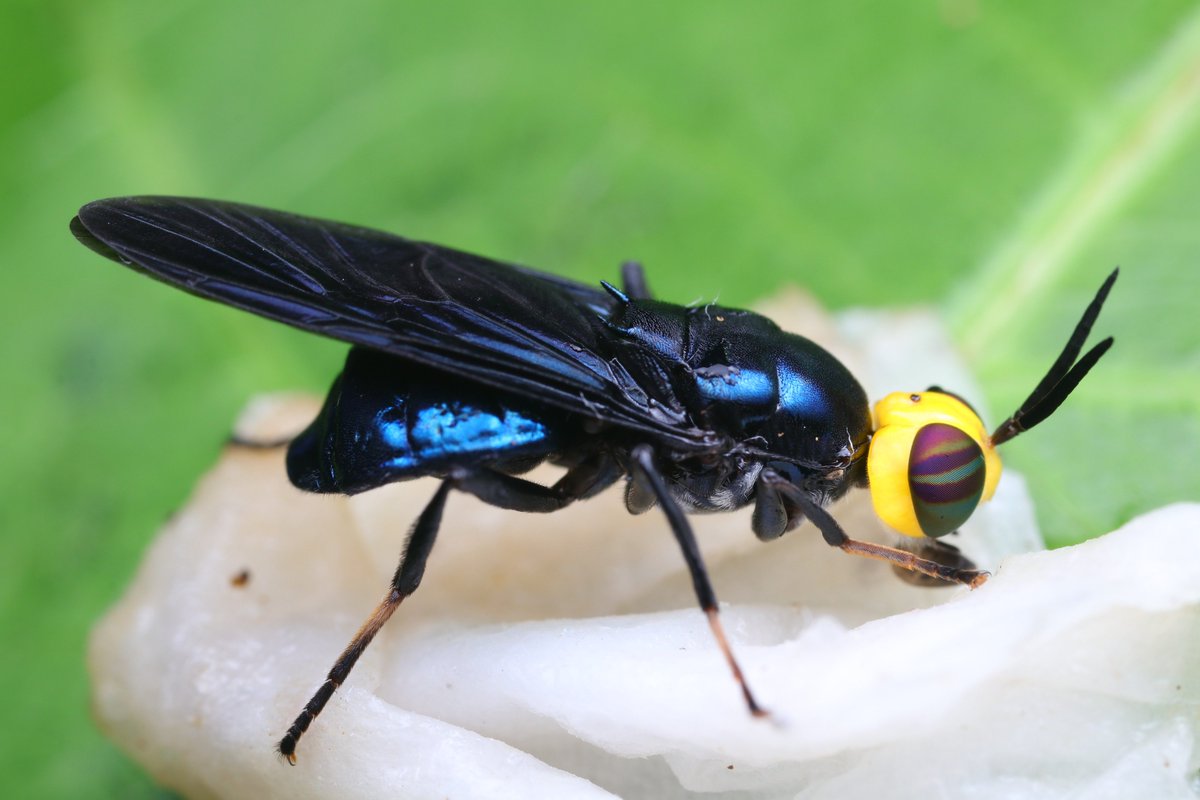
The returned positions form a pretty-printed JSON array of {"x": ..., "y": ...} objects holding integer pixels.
[{"x": 386, "y": 420}]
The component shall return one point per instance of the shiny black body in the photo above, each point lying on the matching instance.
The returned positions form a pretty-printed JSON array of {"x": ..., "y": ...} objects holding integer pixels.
[
  {"x": 473, "y": 371},
  {"x": 451, "y": 345}
]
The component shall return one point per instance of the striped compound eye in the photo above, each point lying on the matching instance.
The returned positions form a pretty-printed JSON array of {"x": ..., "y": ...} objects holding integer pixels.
[
  {"x": 930, "y": 463},
  {"x": 946, "y": 473}
]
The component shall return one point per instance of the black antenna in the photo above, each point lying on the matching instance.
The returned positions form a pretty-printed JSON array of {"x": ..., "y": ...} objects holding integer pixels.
[{"x": 1063, "y": 376}]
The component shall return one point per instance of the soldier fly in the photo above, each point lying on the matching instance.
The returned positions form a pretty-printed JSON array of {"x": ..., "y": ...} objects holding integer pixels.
[{"x": 473, "y": 371}]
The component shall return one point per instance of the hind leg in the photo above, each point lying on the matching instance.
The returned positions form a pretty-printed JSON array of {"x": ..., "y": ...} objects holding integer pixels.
[{"x": 494, "y": 488}]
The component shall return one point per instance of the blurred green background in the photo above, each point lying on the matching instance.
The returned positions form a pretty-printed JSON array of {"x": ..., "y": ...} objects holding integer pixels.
[{"x": 993, "y": 159}]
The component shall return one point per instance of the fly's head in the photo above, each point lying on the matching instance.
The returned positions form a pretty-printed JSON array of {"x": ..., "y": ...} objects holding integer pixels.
[{"x": 931, "y": 461}]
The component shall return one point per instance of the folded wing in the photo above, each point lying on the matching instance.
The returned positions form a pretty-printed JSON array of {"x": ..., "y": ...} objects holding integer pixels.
[{"x": 499, "y": 324}]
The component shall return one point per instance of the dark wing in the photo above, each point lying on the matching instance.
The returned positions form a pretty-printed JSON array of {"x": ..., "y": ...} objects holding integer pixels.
[{"x": 507, "y": 326}]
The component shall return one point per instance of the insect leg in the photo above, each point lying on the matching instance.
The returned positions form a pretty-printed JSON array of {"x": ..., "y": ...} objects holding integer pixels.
[
  {"x": 938, "y": 550},
  {"x": 640, "y": 496},
  {"x": 517, "y": 494},
  {"x": 494, "y": 488},
  {"x": 836, "y": 537},
  {"x": 770, "y": 519},
  {"x": 633, "y": 281},
  {"x": 589, "y": 477},
  {"x": 404, "y": 582},
  {"x": 254, "y": 444},
  {"x": 643, "y": 463},
  {"x": 506, "y": 491}
]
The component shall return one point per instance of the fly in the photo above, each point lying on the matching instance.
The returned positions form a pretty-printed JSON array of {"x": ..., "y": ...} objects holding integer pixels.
[{"x": 474, "y": 371}]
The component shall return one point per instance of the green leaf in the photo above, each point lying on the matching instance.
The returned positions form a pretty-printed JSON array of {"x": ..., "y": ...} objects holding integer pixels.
[{"x": 1124, "y": 196}]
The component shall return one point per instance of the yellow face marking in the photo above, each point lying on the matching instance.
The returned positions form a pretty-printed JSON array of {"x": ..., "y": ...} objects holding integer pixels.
[{"x": 898, "y": 417}]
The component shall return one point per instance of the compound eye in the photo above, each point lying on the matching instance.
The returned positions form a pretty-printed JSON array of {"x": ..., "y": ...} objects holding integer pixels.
[{"x": 946, "y": 472}]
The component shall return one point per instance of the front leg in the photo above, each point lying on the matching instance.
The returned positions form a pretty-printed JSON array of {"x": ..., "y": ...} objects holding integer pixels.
[
  {"x": 773, "y": 514},
  {"x": 938, "y": 550},
  {"x": 836, "y": 537}
]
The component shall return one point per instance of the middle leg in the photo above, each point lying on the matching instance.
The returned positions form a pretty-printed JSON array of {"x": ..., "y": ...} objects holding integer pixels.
[{"x": 646, "y": 472}]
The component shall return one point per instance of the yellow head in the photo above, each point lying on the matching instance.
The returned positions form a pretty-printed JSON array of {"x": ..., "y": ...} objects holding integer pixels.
[{"x": 931, "y": 462}]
